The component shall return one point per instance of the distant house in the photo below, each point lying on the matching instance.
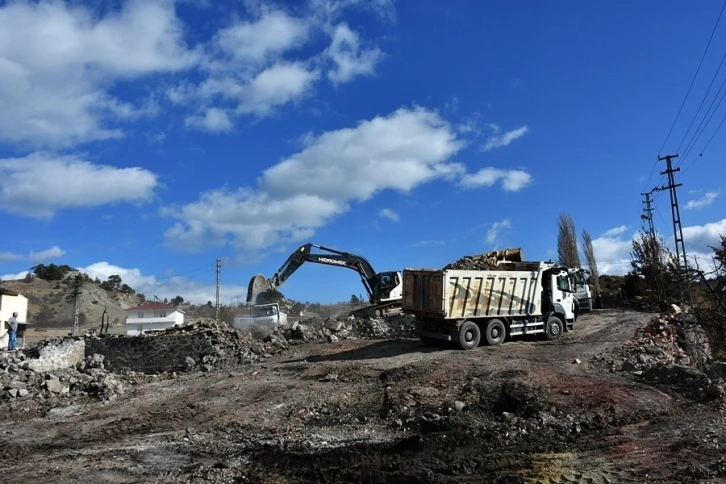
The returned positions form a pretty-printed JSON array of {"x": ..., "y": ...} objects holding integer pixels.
[
  {"x": 10, "y": 302},
  {"x": 152, "y": 316}
]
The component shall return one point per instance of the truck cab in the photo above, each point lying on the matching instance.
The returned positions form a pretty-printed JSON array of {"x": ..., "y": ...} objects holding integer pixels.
[
  {"x": 581, "y": 289},
  {"x": 262, "y": 315}
]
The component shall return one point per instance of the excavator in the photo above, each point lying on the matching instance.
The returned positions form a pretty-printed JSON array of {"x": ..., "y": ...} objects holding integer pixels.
[{"x": 384, "y": 288}]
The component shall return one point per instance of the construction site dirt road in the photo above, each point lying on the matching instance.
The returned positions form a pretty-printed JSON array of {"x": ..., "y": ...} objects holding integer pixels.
[{"x": 572, "y": 410}]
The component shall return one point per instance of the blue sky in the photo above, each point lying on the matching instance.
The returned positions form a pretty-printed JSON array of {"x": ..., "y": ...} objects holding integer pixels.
[{"x": 150, "y": 138}]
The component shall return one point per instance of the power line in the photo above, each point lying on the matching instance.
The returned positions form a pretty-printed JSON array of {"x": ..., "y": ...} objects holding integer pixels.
[
  {"x": 692, "y": 80},
  {"x": 699, "y": 130}
]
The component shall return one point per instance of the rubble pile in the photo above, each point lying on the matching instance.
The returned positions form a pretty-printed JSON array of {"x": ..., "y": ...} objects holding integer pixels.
[
  {"x": 102, "y": 366},
  {"x": 674, "y": 351},
  {"x": 471, "y": 263},
  {"x": 89, "y": 378},
  {"x": 332, "y": 329}
]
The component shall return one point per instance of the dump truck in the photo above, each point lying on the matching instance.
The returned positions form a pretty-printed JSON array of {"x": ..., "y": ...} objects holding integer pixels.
[{"x": 469, "y": 306}]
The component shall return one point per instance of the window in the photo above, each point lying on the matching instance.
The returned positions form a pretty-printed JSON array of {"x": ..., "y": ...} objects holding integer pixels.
[
  {"x": 141, "y": 314},
  {"x": 563, "y": 284},
  {"x": 140, "y": 328},
  {"x": 162, "y": 314}
]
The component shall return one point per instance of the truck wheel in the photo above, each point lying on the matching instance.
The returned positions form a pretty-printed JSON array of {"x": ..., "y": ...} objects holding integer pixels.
[
  {"x": 554, "y": 328},
  {"x": 495, "y": 333},
  {"x": 469, "y": 336}
]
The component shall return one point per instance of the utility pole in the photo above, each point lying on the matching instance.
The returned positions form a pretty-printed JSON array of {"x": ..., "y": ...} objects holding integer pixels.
[
  {"x": 648, "y": 217},
  {"x": 219, "y": 269},
  {"x": 76, "y": 297},
  {"x": 648, "y": 213},
  {"x": 675, "y": 211}
]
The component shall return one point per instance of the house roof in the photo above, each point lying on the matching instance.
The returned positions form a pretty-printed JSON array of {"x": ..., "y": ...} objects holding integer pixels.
[
  {"x": 8, "y": 292},
  {"x": 150, "y": 306}
]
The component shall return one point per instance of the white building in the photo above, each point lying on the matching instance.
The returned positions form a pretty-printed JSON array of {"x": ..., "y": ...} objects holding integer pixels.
[
  {"x": 10, "y": 302},
  {"x": 152, "y": 316}
]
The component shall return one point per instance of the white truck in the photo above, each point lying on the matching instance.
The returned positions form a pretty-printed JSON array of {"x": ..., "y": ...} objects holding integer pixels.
[
  {"x": 262, "y": 315},
  {"x": 515, "y": 298},
  {"x": 582, "y": 291}
]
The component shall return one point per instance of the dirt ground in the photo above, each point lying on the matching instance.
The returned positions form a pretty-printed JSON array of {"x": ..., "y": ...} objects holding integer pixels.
[{"x": 387, "y": 411}]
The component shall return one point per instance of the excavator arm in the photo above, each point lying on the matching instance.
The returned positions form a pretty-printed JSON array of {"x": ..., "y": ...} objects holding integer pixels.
[{"x": 303, "y": 254}]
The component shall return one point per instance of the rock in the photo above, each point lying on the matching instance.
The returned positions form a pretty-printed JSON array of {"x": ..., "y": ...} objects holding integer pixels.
[
  {"x": 189, "y": 362},
  {"x": 628, "y": 366},
  {"x": 425, "y": 392},
  {"x": 577, "y": 361},
  {"x": 23, "y": 393},
  {"x": 459, "y": 405},
  {"x": 13, "y": 392},
  {"x": 332, "y": 338},
  {"x": 54, "y": 385},
  {"x": 716, "y": 390},
  {"x": 17, "y": 385}
]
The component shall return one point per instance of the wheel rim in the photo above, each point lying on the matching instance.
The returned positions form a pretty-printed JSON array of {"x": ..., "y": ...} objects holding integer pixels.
[
  {"x": 495, "y": 333},
  {"x": 469, "y": 336},
  {"x": 555, "y": 329}
]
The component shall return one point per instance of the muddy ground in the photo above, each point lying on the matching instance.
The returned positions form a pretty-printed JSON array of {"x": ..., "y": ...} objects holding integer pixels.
[{"x": 387, "y": 411}]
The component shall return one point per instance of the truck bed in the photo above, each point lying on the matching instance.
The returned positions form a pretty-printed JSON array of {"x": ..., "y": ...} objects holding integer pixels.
[{"x": 460, "y": 294}]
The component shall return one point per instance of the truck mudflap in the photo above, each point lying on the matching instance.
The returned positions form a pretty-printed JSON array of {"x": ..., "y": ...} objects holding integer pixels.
[{"x": 445, "y": 331}]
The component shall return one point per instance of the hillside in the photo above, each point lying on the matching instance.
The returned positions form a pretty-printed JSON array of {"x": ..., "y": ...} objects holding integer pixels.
[{"x": 49, "y": 307}]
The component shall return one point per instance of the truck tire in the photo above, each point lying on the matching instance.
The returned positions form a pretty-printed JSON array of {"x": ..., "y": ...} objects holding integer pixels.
[
  {"x": 495, "y": 332},
  {"x": 469, "y": 336},
  {"x": 554, "y": 328}
]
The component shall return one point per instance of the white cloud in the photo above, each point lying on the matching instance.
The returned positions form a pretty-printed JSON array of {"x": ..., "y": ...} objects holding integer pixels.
[
  {"x": 168, "y": 287},
  {"x": 306, "y": 190},
  {"x": 58, "y": 63},
  {"x": 615, "y": 231},
  {"x": 44, "y": 255},
  {"x": 512, "y": 180},
  {"x": 612, "y": 251},
  {"x": 704, "y": 201},
  {"x": 389, "y": 214},
  {"x": 700, "y": 238},
  {"x": 499, "y": 139},
  {"x": 14, "y": 277},
  {"x": 214, "y": 120},
  {"x": 349, "y": 58},
  {"x": 10, "y": 256},
  {"x": 64, "y": 68},
  {"x": 34, "y": 257},
  {"x": 40, "y": 184},
  {"x": 274, "y": 33},
  {"x": 496, "y": 229}
]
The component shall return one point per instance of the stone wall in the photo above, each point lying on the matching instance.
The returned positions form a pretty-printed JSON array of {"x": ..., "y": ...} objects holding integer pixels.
[{"x": 157, "y": 353}]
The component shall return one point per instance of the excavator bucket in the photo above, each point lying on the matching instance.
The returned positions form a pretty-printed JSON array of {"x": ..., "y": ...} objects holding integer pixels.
[{"x": 258, "y": 284}]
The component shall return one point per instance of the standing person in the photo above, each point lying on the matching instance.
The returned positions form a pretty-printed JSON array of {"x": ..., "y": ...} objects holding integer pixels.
[{"x": 13, "y": 331}]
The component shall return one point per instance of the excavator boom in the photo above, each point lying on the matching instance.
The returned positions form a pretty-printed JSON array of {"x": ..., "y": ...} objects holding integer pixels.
[{"x": 303, "y": 254}]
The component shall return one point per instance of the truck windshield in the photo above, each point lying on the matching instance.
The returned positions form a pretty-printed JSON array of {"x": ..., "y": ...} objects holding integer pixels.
[{"x": 563, "y": 283}]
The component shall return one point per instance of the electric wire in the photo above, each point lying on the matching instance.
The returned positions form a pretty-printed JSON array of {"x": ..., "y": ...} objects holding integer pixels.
[{"x": 713, "y": 32}]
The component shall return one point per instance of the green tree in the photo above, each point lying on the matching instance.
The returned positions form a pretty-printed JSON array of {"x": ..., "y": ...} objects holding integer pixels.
[
  {"x": 115, "y": 281},
  {"x": 177, "y": 301},
  {"x": 591, "y": 263},
  {"x": 354, "y": 299}
]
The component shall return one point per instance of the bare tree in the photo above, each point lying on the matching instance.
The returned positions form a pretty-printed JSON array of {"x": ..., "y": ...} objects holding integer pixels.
[
  {"x": 591, "y": 262},
  {"x": 567, "y": 242}
]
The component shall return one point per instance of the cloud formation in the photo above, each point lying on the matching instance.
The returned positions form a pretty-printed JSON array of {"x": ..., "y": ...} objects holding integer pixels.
[
  {"x": 64, "y": 66},
  {"x": 495, "y": 231},
  {"x": 512, "y": 180},
  {"x": 706, "y": 200},
  {"x": 389, "y": 214},
  {"x": 334, "y": 170},
  {"x": 41, "y": 184},
  {"x": 499, "y": 139}
]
